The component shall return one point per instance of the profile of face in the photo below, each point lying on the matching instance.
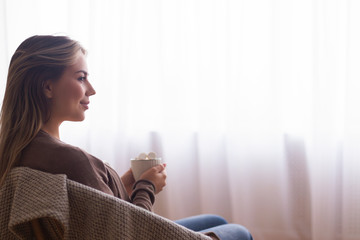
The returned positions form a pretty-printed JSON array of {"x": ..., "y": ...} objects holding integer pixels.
[{"x": 69, "y": 95}]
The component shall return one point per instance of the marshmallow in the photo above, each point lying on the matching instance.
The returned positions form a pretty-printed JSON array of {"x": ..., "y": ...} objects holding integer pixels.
[
  {"x": 152, "y": 155},
  {"x": 144, "y": 156}
]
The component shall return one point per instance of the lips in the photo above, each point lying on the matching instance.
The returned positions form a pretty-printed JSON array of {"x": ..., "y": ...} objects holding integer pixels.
[{"x": 85, "y": 104}]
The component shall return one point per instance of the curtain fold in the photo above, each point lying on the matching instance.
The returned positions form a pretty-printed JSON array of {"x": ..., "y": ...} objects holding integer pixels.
[{"x": 254, "y": 105}]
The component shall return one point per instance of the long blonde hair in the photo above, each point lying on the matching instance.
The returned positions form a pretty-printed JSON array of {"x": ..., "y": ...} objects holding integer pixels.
[{"x": 25, "y": 107}]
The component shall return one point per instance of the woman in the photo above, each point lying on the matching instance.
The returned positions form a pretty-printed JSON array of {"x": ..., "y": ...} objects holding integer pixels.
[{"x": 48, "y": 84}]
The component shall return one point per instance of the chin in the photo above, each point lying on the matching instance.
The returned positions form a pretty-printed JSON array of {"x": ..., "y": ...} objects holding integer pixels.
[
  {"x": 78, "y": 118},
  {"x": 81, "y": 119}
]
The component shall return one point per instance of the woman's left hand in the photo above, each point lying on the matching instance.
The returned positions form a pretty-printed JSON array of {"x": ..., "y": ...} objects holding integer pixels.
[{"x": 128, "y": 181}]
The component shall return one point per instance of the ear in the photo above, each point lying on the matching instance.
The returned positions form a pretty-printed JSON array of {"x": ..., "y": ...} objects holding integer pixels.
[{"x": 48, "y": 88}]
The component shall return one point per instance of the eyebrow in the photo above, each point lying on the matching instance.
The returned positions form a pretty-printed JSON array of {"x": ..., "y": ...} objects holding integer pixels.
[{"x": 82, "y": 71}]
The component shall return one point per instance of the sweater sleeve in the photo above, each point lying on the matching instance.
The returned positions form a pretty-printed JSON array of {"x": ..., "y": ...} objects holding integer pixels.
[{"x": 143, "y": 194}]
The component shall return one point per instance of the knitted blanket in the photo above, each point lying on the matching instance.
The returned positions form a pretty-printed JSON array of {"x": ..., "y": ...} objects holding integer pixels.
[{"x": 70, "y": 210}]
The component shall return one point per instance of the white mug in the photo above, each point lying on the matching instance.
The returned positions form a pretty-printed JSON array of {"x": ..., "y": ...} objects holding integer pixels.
[{"x": 138, "y": 166}]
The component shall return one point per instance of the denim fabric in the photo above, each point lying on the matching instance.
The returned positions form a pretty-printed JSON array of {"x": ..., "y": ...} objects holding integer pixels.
[{"x": 216, "y": 224}]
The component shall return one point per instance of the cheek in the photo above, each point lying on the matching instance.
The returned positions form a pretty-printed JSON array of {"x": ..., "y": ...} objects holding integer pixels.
[
  {"x": 74, "y": 92},
  {"x": 78, "y": 92}
]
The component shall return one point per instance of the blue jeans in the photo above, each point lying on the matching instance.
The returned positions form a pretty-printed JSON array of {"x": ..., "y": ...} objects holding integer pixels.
[{"x": 216, "y": 224}]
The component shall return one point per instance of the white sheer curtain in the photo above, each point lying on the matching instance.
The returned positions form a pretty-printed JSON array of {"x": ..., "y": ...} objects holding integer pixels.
[{"x": 254, "y": 105}]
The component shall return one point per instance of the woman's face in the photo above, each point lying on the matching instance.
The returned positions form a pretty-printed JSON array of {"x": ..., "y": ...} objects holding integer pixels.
[{"x": 70, "y": 94}]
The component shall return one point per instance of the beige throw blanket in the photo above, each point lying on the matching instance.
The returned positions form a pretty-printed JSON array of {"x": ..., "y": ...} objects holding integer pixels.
[{"x": 70, "y": 210}]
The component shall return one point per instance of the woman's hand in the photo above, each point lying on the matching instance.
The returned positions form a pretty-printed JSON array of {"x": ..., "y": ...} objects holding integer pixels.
[
  {"x": 156, "y": 175},
  {"x": 128, "y": 181}
]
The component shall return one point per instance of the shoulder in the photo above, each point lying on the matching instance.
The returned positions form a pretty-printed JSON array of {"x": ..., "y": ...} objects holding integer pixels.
[
  {"x": 45, "y": 145},
  {"x": 50, "y": 154}
]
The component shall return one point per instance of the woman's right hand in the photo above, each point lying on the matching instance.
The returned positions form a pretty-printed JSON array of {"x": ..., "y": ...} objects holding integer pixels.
[{"x": 156, "y": 175}]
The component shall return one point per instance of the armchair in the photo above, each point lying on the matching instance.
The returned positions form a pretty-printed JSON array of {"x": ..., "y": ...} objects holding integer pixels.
[{"x": 35, "y": 204}]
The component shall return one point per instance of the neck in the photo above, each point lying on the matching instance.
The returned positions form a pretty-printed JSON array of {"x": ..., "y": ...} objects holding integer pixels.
[{"x": 52, "y": 129}]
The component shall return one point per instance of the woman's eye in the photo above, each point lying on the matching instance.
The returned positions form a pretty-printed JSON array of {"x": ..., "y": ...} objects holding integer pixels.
[{"x": 82, "y": 79}]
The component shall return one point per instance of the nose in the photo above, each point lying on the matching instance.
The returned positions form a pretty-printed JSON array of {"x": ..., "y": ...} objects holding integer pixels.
[{"x": 90, "y": 90}]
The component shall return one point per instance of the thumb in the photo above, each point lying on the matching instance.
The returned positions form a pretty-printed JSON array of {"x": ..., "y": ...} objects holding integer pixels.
[{"x": 160, "y": 167}]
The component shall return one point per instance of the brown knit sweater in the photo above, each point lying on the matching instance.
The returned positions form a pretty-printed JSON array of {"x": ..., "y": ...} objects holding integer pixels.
[{"x": 48, "y": 154}]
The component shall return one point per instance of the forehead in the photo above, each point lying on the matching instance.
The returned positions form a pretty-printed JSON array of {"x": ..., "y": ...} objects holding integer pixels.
[{"x": 80, "y": 64}]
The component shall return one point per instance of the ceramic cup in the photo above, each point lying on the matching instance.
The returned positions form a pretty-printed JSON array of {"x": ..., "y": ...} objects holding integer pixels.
[{"x": 139, "y": 166}]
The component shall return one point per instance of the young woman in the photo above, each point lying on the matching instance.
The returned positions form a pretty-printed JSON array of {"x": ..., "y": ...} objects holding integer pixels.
[{"x": 48, "y": 84}]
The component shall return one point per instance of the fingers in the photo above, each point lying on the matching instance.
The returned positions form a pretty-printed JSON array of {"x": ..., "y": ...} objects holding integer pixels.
[
  {"x": 161, "y": 167},
  {"x": 128, "y": 181},
  {"x": 128, "y": 176},
  {"x": 156, "y": 175},
  {"x": 129, "y": 172}
]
